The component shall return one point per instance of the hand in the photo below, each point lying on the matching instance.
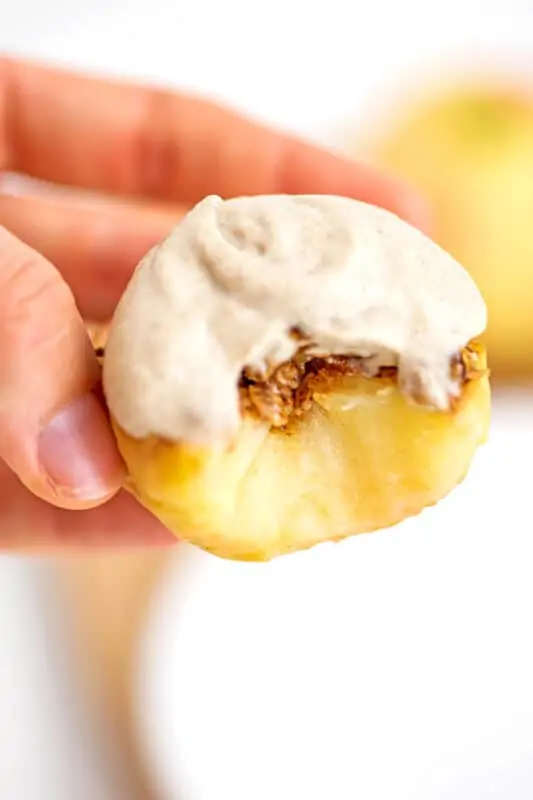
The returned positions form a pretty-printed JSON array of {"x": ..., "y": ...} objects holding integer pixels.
[{"x": 146, "y": 151}]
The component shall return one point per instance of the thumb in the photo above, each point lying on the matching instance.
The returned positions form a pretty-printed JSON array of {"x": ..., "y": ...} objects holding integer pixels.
[{"x": 54, "y": 432}]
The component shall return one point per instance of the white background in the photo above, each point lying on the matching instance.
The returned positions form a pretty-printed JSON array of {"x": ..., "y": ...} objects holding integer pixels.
[{"x": 394, "y": 666}]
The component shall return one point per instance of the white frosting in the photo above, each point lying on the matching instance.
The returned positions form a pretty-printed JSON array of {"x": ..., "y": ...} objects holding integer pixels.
[{"x": 225, "y": 288}]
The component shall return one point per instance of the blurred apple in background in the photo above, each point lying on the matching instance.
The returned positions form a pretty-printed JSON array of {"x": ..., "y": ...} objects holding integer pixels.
[{"x": 469, "y": 148}]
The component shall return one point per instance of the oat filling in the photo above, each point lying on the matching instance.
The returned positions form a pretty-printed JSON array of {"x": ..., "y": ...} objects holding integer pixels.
[{"x": 288, "y": 391}]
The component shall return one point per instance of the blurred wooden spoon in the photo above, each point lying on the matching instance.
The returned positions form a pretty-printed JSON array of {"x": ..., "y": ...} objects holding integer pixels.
[{"x": 107, "y": 596}]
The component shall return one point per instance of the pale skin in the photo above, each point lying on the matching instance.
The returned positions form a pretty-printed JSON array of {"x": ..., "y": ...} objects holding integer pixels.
[{"x": 149, "y": 154}]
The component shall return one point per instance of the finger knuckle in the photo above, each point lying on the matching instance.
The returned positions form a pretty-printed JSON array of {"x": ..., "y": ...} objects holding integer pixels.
[
  {"x": 32, "y": 294},
  {"x": 152, "y": 155}
]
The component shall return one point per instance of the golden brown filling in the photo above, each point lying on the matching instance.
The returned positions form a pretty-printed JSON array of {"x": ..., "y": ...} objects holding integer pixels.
[{"x": 288, "y": 391}]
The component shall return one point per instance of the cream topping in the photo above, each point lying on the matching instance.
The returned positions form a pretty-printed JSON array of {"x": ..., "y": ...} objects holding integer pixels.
[{"x": 235, "y": 277}]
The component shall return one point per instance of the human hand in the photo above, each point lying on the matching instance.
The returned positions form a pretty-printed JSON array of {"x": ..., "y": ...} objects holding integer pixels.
[{"x": 150, "y": 154}]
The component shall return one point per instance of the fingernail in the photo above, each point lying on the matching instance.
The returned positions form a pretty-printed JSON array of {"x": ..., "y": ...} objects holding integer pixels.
[{"x": 78, "y": 451}]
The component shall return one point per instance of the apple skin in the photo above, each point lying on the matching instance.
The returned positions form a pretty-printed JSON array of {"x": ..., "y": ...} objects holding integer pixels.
[{"x": 469, "y": 149}]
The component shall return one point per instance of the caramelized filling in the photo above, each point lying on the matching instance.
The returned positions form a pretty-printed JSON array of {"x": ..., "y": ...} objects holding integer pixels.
[{"x": 287, "y": 391}]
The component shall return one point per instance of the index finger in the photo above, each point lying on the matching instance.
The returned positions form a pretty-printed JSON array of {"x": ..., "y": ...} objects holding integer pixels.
[{"x": 143, "y": 141}]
